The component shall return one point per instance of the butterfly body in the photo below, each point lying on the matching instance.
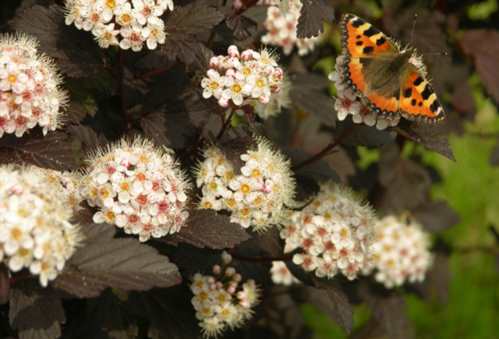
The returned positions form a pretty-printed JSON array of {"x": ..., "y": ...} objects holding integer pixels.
[{"x": 390, "y": 80}]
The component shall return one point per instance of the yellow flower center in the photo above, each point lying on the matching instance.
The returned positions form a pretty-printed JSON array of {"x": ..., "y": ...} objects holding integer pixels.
[
  {"x": 207, "y": 205},
  {"x": 125, "y": 186},
  {"x": 16, "y": 233},
  {"x": 12, "y": 78},
  {"x": 260, "y": 83},
  {"x": 245, "y": 188},
  {"x": 236, "y": 88},
  {"x": 246, "y": 71},
  {"x": 213, "y": 186},
  {"x": 214, "y": 85},
  {"x": 23, "y": 252},
  {"x": 110, "y": 215},
  {"x": 126, "y": 18},
  {"x": 231, "y": 203},
  {"x": 111, "y": 4},
  {"x": 255, "y": 173}
]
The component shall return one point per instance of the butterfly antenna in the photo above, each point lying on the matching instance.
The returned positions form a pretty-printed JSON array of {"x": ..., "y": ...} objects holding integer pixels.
[{"x": 414, "y": 20}]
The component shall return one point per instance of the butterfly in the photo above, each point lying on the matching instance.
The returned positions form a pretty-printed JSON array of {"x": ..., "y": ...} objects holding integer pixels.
[{"x": 389, "y": 79}]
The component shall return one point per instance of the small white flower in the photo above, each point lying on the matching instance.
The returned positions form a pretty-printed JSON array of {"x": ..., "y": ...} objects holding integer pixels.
[{"x": 280, "y": 274}]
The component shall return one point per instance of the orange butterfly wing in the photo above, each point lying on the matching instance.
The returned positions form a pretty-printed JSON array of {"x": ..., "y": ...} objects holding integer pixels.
[
  {"x": 418, "y": 101},
  {"x": 362, "y": 40}
]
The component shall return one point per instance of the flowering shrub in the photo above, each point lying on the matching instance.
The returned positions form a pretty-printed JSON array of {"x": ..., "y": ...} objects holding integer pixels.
[
  {"x": 223, "y": 300},
  {"x": 257, "y": 196},
  {"x": 137, "y": 187},
  {"x": 30, "y": 92},
  {"x": 334, "y": 232},
  {"x": 211, "y": 130},
  {"x": 128, "y": 24},
  {"x": 36, "y": 231},
  {"x": 400, "y": 252}
]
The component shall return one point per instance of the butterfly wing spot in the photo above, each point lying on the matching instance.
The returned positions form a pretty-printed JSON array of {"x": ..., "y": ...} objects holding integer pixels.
[
  {"x": 418, "y": 81},
  {"x": 368, "y": 50},
  {"x": 418, "y": 99},
  {"x": 380, "y": 41},
  {"x": 359, "y": 35}
]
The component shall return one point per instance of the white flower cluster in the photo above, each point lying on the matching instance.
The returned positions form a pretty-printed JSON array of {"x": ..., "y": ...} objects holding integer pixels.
[
  {"x": 124, "y": 23},
  {"x": 333, "y": 233},
  {"x": 222, "y": 300},
  {"x": 400, "y": 252},
  {"x": 281, "y": 275},
  {"x": 35, "y": 230},
  {"x": 137, "y": 187},
  {"x": 349, "y": 103},
  {"x": 281, "y": 25},
  {"x": 242, "y": 78},
  {"x": 29, "y": 87},
  {"x": 256, "y": 196}
]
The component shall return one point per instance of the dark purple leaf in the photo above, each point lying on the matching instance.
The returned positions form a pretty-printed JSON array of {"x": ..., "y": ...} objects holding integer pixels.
[
  {"x": 309, "y": 94},
  {"x": 313, "y": 15},
  {"x": 182, "y": 27},
  {"x": 87, "y": 136},
  {"x": 331, "y": 300},
  {"x": 208, "y": 229},
  {"x": 406, "y": 183},
  {"x": 390, "y": 314},
  {"x": 434, "y": 137},
  {"x": 55, "y": 150},
  {"x": 154, "y": 127},
  {"x": 36, "y": 314},
  {"x": 437, "y": 282},
  {"x": 124, "y": 264},
  {"x": 436, "y": 216},
  {"x": 4, "y": 284},
  {"x": 483, "y": 47}
]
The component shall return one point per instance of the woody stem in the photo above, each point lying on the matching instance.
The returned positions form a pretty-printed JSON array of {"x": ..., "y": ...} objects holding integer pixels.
[
  {"x": 325, "y": 151},
  {"x": 284, "y": 257},
  {"x": 226, "y": 124}
]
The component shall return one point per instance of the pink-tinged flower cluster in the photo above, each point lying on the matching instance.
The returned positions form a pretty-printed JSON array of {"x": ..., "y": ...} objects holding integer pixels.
[
  {"x": 257, "y": 195},
  {"x": 129, "y": 24},
  {"x": 400, "y": 252},
  {"x": 333, "y": 233},
  {"x": 222, "y": 300},
  {"x": 36, "y": 206},
  {"x": 281, "y": 275},
  {"x": 30, "y": 92},
  {"x": 138, "y": 187},
  {"x": 281, "y": 25},
  {"x": 242, "y": 78},
  {"x": 348, "y": 102}
]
